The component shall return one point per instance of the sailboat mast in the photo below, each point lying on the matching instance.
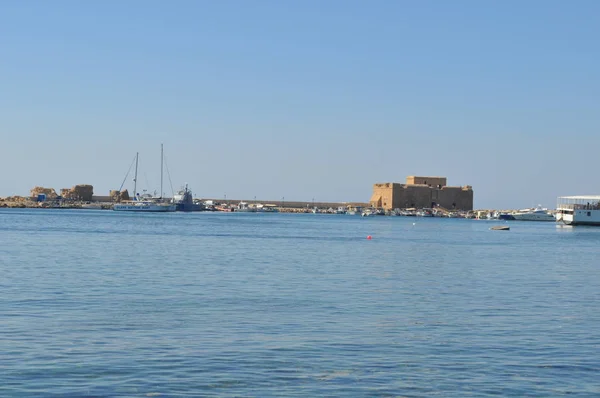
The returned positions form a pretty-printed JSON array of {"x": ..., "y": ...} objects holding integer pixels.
[
  {"x": 135, "y": 177},
  {"x": 161, "y": 170}
]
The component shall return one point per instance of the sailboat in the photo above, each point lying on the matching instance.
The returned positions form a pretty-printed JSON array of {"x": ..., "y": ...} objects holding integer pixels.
[{"x": 142, "y": 203}]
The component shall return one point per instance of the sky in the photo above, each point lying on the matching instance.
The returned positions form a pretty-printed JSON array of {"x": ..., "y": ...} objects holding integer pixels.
[{"x": 302, "y": 100}]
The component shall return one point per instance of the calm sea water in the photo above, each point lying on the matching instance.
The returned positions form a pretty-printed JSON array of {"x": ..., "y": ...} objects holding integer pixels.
[{"x": 98, "y": 303}]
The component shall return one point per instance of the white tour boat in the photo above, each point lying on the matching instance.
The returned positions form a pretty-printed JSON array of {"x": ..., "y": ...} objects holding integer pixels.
[
  {"x": 579, "y": 210},
  {"x": 537, "y": 214}
]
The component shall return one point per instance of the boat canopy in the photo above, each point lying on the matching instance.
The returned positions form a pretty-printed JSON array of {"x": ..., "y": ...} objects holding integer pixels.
[
  {"x": 579, "y": 202},
  {"x": 580, "y": 197}
]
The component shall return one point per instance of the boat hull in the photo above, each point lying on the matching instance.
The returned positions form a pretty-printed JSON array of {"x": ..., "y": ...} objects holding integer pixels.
[
  {"x": 187, "y": 207},
  {"x": 145, "y": 208},
  {"x": 580, "y": 217},
  {"x": 584, "y": 223},
  {"x": 506, "y": 217},
  {"x": 534, "y": 217}
]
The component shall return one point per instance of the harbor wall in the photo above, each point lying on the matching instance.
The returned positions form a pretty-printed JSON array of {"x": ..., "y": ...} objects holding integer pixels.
[{"x": 293, "y": 204}]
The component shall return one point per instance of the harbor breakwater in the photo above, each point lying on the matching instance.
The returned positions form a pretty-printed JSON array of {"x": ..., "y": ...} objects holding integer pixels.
[
  {"x": 19, "y": 202},
  {"x": 102, "y": 203}
]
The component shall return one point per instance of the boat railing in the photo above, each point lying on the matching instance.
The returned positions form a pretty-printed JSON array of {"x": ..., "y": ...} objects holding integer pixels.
[{"x": 579, "y": 206}]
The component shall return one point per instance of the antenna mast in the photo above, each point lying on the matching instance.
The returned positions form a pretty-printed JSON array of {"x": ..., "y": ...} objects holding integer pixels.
[
  {"x": 135, "y": 177},
  {"x": 161, "y": 170}
]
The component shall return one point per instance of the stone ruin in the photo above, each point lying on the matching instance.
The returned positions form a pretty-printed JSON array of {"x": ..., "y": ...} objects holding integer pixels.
[
  {"x": 49, "y": 192},
  {"x": 117, "y": 196},
  {"x": 78, "y": 192}
]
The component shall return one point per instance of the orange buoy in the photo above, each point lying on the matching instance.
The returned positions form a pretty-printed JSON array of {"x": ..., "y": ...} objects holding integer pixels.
[{"x": 369, "y": 237}]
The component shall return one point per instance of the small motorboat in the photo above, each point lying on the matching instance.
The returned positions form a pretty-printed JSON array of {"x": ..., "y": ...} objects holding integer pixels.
[{"x": 500, "y": 228}]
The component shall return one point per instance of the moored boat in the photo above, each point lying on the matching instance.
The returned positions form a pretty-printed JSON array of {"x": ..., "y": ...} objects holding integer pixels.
[
  {"x": 505, "y": 216},
  {"x": 500, "y": 228},
  {"x": 354, "y": 211},
  {"x": 243, "y": 207},
  {"x": 579, "y": 210},
  {"x": 407, "y": 212},
  {"x": 145, "y": 206},
  {"x": 268, "y": 208},
  {"x": 146, "y": 203},
  {"x": 537, "y": 214},
  {"x": 425, "y": 213},
  {"x": 368, "y": 212},
  {"x": 184, "y": 201}
]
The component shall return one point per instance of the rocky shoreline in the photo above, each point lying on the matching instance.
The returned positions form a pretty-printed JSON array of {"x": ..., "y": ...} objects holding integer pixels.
[{"x": 24, "y": 203}]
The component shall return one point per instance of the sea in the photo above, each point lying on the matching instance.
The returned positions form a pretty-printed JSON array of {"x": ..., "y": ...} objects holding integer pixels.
[{"x": 109, "y": 304}]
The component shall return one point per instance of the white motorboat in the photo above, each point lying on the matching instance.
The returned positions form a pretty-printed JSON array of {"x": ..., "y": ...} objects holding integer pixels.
[
  {"x": 368, "y": 212},
  {"x": 579, "y": 210},
  {"x": 537, "y": 214},
  {"x": 406, "y": 212},
  {"x": 243, "y": 207},
  {"x": 268, "y": 208},
  {"x": 493, "y": 215},
  {"x": 354, "y": 211}
]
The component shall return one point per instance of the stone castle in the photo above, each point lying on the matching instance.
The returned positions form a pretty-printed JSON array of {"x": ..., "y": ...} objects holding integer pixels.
[{"x": 422, "y": 192}]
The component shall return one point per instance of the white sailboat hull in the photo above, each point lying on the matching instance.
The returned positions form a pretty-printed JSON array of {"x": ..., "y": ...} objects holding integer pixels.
[{"x": 145, "y": 207}]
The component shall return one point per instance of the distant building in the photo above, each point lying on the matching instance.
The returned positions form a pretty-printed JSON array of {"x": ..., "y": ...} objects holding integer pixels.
[{"x": 421, "y": 192}]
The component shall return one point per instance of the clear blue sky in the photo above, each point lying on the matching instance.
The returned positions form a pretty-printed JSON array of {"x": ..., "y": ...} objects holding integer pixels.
[{"x": 303, "y": 99}]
